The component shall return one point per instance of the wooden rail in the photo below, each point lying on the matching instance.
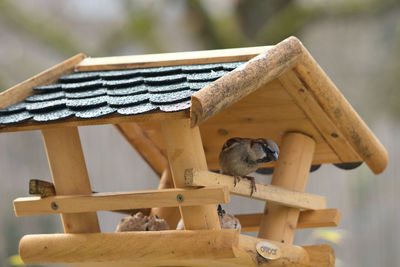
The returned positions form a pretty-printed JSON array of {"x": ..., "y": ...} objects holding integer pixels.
[
  {"x": 307, "y": 219},
  {"x": 271, "y": 193},
  {"x": 120, "y": 201}
]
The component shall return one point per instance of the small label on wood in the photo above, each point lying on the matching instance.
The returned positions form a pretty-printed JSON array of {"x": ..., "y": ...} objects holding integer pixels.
[{"x": 268, "y": 250}]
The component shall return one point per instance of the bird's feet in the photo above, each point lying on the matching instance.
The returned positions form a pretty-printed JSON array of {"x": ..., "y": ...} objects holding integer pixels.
[
  {"x": 253, "y": 184},
  {"x": 236, "y": 179}
]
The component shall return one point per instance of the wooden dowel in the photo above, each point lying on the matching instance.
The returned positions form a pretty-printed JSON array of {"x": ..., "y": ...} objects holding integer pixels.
[
  {"x": 275, "y": 194},
  {"x": 185, "y": 150},
  {"x": 129, "y": 246},
  {"x": 170, "y": 214},
  {"x": 291, "y": 172},
  {"x": 70, "y": 177},
  {"x": 120, "y": 201},
  {"x": 307, "y": 219}
]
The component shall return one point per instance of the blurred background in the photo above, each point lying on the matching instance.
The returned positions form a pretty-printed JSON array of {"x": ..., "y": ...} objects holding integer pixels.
[{"x": 357, "y": 43}]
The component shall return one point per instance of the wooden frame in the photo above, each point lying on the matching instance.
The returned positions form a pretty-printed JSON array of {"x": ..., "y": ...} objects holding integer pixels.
[
  {"x": 120, "y": 201},
  {"x": 271, "y": 193}
]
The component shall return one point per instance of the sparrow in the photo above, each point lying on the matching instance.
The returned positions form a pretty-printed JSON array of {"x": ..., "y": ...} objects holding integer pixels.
[
  {"x": 141, "y": 222},
  {"x": 226, "y": 220},
  {"x": 242, "y": 156}
]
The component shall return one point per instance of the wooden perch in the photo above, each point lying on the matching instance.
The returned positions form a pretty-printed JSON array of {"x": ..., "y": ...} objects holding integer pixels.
[
  {"x": 45, "y": 189},
  {"x": 307, "y": 219},
  {"x": 244, "y": 80},
  {"x": 167, "y": 248},
  {"x": 120, "y": 201},
  {"x": 129, "y": 246},
  {"x": 271, "y": 193}
]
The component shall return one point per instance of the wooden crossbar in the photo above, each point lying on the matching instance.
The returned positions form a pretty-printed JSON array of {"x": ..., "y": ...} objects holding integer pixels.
[
  {"x": 120, "y": 201},
  {"x": 307, "y": 219},
  {"x": 271, "y": 193}
]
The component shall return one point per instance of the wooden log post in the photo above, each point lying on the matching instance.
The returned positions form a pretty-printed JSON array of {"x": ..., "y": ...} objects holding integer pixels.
[
  {"x": 185, "y": 150},
  {"x": 291, "y": 172},
  {"x": 170, "y": 214},
  {"x": 68, "y": 169}
]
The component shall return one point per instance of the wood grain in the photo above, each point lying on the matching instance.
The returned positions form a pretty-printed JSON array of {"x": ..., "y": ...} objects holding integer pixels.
[
  {"x": 135, "y": 136},
  {"x": 307, "y": 219},
  {"x": 129, "y": 246},
  {"x": 235, "y": 85},
  {"x": 271, "y": 193},
  {"x": 69, "y": 173},
  {"x": 120, "y": 200},
  {"x": 110, "y": 119},
  {"x": 328, "y": 130},
  {"x": 24, "y": 89},
  {"x": 185, "y": 150},
  {"x": 291, "y": 172},
  {"x": 336, "y": 106},
  {"x": 170, "y": 214},
  {"x": 170, "y": 59}
]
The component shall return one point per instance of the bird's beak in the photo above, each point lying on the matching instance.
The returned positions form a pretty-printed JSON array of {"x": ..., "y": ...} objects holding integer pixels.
[{"x": 275, "y": 155}]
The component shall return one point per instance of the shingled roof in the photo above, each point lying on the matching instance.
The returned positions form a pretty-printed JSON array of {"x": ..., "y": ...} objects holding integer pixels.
[
  {"x": 247, "y": 92},
  {"x": 96, "y": 94}
]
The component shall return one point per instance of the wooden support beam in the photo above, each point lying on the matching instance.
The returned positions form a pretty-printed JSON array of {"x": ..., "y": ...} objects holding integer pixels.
[
  {"x": 22, "y": 90},
  {"x": 222, "y": 93},
  {"x": 110, "y": 119},
  {"x": 70, "y": 177},
  {"x": 364, "y": 142},
  {"x": 129, "y": 246},
  {"x": 328, "y": 130},
  {"x": 135, "y": 136},
  {"x": 169, "y": 214},
  {"x": 291, "y": 172},
  {"x": 120, "y": 201},
  {"x": 185, "y": 150},
  {"x": 307, "y": 219},
  {"x": 170, "y": 59},
  {"x": 274, "y": 194}
]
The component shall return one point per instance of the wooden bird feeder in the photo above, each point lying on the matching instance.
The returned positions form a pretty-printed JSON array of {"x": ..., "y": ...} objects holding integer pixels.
[{"x": 177, "y": 110}]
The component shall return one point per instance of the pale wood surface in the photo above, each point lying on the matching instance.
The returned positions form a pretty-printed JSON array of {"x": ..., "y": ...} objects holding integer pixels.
[
  {"x": 307, "y": 219},
  {"x": 169, "y": 59},
  {"x": 170, "y": 214},
  {"x": 342, "y": 113},
  {"x": 227, "y": 90},
  {"x": 120, "y": 200},
  {"x": 135, "y": 136},
  {"x": 24, "y": 89},
  {"x": 129, "y": 246},
  {"x": 111, "y": 119},
  {"x": 331, "y": 134},
  {"x": 321, "y": 255},
  {"x": 185, "y": 150},
  {"x": 68, "y": 170},
  {"x": 275, "y": 194},
  {"x": 166, "y": 248},
  {"x": 291, "y": 172}
]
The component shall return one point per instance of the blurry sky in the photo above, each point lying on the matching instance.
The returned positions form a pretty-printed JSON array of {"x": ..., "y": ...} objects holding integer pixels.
[{"x": 356, "y": 42}]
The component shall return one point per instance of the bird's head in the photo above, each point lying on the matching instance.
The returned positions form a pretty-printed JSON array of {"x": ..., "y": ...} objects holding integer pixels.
[{"x": 270, "y": 150}]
